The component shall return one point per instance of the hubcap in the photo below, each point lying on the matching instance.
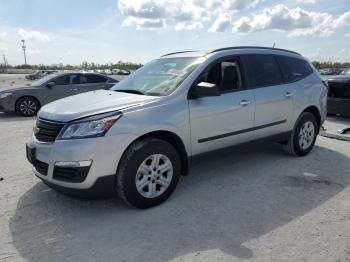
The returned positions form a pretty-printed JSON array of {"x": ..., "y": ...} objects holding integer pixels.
[
  {"x": 28, "y": 107},
  {"x": 306, "y": 135},
  {"x": 154, "y": 175}
]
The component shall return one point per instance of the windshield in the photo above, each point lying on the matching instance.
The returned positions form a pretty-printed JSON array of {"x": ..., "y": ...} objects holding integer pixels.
[
  {"x": 43, "y": 80},
  {"x": 346, "y": 71},
  {"x": 159, "y": 77}
]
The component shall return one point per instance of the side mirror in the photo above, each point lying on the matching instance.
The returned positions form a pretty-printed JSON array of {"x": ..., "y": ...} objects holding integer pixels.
[
  {"x": 50, "y": 84},
  {"x": 204, "y": 89}
]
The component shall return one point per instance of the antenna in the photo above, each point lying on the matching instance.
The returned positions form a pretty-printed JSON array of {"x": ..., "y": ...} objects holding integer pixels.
[{"x": 273, "y": 46}]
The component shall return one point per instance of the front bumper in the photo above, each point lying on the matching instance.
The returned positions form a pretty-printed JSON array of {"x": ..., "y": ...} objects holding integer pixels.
[
  {"x": 338, "y": 106},
  {"x": 7, "y": 104},
  {"x": 103, "y": 152}
]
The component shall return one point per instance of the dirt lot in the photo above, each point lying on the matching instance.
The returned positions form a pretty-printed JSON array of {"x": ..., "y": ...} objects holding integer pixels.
[
  {"x": 252, "y": 203},
  {"x": 249, "y": 204}
]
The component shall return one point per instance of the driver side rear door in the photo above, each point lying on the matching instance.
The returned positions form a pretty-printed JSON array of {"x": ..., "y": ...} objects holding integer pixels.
[
  {"x": 65, "y": 85},
  {"x": 91, "y": 82}
]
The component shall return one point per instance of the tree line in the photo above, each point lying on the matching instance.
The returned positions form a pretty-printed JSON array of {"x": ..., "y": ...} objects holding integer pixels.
[{"x": 83, "y": 66}]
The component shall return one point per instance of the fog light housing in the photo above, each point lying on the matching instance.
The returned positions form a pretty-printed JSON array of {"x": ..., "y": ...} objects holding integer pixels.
[{"x": 84, "y": 163}]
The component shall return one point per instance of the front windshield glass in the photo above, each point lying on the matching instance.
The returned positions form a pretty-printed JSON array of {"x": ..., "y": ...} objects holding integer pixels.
[
  {"x": 43, "y": 80},
  {"x": 159, "y": 77},
  {"x": 346, "y": 71}
]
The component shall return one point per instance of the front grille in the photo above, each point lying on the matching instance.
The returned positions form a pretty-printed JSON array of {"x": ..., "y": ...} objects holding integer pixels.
[
  {"x": 71, "y": 174},
  {"x": 41, "y": 167},
  {"x": 339, "y": 90},
  {"x": 47, "y": 131}
]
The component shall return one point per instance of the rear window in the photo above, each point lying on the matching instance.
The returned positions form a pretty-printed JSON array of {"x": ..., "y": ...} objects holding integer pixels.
[
  {"x": 293, "y": 69},
  {"x": 262, "y": 70}
]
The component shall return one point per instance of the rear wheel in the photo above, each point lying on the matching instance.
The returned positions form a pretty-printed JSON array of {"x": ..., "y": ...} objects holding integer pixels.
[
  {"x": 304, "y": 134},
  {"x": 148, "y": 173},
  {"x": 27, "y": 106}
]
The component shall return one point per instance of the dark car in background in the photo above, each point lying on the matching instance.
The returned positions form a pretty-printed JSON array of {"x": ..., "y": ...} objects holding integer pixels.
[
  {"x": 27, "y": 100},
  {"x": 39, "y": 74},
  {"x": 123, "y": 72},
  {"x": 331, "y": 71},
  {"x": 339, "y": 94}
]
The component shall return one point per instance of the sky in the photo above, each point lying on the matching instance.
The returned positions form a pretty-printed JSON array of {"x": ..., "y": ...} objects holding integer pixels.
[{"x": 104, "y": 31}]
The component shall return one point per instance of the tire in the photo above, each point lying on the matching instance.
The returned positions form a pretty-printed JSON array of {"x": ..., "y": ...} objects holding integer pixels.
[
  {"x": 138, "y": 182},
  {"x": 301, "y": 142},
  {"x": 27, "y": 106}
]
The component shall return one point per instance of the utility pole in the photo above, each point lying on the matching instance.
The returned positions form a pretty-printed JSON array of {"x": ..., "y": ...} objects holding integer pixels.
[
  {"x": 24, "y": 51},
  {"x": 5, "y": 61}
]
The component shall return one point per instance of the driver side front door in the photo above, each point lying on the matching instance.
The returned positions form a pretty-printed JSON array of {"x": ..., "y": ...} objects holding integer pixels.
[{"x": 225, "y": 120}]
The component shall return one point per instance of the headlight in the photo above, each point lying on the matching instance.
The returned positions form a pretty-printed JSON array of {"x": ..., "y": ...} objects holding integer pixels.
[
  {"x": 94, "y": 126},
  {"x": 3, "y": 95}
]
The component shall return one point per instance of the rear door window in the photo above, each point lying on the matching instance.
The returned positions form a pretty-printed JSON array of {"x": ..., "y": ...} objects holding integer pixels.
[
  {"x": 262, "y": 70},
  {"x": 293, "y": 69},
  {"x": 66, "y": 80},
  {"x": 92, "y": 79}
]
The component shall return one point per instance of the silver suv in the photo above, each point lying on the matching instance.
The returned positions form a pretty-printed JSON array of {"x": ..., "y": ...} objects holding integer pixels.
[{"x": 137, "y": 138}]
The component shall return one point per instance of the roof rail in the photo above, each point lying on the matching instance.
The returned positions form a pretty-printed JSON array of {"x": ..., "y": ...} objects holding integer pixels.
[
  {"x": 251, "y": 47},
  {"x": 181, "y": 52}
]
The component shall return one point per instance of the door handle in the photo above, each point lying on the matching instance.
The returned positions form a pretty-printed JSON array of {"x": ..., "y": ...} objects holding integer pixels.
[
  {"x": 288, "y": 94},
  {"x": 244, "y": 102},
  {"x": 74, "y": 89}
]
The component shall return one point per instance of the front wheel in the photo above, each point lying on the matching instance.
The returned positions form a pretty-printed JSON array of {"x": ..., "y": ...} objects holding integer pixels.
[
  {"x": 303, "y": 136},
  {"x": 148, "y": 173},
  {"x": 27, "y": 106}
]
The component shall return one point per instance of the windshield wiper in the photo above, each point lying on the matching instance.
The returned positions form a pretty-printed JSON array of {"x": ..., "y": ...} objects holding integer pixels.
[{"x": 131, "y": 91}]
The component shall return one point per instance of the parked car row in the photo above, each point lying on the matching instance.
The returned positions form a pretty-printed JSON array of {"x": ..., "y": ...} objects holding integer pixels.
[
  {"x": 111, "y": 72},
  {"x": 138, "y": 137},
  {"x": 39, "y": 74},
  {"x": 331, "y": 71}
]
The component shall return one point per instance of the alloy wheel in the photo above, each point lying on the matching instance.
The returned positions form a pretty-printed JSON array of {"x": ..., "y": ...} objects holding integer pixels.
[
  {"x": 154, "y": 176},
  {"x": 306, "y": 135},
  {"x": 28, "y": 107}
]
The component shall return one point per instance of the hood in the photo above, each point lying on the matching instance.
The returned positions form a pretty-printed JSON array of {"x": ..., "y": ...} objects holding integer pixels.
[
  {"x": 339, "y": 78},
  {"x": 91, "y": 103}
]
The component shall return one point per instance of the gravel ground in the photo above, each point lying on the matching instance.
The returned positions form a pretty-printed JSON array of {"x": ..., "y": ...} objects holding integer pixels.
[
  {"x": 11, "y": 80},
  {"x": 252, "y": 203}
]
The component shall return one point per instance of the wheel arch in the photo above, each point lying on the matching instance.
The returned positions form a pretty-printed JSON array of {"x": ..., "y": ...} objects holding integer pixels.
[
  {"x": 172, "y": 139},
  {"x": 316, "y": 112},
  {"x": 25, "y": 96}
]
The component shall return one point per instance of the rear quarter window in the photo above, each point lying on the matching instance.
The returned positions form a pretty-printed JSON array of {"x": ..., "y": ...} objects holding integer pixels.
[
  {"x": 293, "y": 69},
  {"x": 262, "y": 70}
]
